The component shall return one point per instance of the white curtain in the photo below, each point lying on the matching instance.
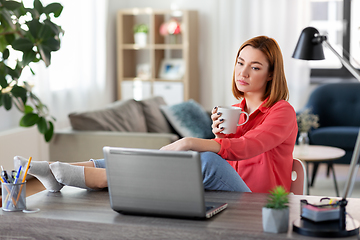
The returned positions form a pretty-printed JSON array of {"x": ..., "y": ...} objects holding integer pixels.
[
  {"x": 239, "y": 20},
  {"x": 76, "y": 78}
]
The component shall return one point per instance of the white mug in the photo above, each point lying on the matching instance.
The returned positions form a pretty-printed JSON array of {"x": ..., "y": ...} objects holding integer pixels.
[{"x": 231, "y": 117}]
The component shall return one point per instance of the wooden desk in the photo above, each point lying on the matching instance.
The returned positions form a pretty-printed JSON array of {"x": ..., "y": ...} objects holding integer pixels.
[
  {"x": 79, "y": 214},
  {"x": 315, "y": 154}
]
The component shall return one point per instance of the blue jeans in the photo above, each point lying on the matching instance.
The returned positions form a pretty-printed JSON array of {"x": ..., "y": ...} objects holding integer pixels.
[{"x": 217, "y": 173}]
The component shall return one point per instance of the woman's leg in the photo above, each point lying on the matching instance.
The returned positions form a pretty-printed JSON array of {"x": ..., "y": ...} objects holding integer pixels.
[
  {"x": 40, "y": 170},
  {"x": 82, "y": 174},
  {"x": 89, "y": 175},
  {"x": 218, "y": 174}
]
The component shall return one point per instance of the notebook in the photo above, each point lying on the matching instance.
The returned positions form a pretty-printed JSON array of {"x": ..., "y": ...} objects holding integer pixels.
[{"x": 155, "y": 182}]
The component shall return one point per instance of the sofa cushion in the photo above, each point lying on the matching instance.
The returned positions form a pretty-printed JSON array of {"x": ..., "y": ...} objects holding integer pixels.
[
  {"x": 155, "y": 120},
  {"x": 342, "y": 137},
  {"x": 125, "y": 116},
  {"x": 189, "y": 119}
]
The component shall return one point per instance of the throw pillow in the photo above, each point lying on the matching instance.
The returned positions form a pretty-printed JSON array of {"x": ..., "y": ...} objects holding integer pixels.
[
  {"x": 125, "y": 116},
  {"x": 155, "y": 120},
  {"x": 189, "y": 119}
]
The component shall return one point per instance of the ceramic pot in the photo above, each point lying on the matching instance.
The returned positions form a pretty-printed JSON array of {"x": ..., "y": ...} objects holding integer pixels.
[
  {"x": 140, "y": 39},
  {"x": 275, "y": 220}
]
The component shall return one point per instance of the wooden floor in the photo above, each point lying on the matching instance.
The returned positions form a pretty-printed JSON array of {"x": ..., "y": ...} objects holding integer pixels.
[{"x": 324, "y": 186}]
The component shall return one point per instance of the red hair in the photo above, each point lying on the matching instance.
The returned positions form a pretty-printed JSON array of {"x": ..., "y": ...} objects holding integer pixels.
[{"x": 276, "y": 88}]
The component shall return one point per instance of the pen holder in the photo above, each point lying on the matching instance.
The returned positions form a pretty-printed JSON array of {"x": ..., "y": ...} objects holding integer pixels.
[{"x": 13, "y": 196}]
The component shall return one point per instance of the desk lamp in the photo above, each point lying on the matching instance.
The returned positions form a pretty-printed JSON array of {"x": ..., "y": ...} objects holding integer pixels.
[{"x": 309, "y": 47}]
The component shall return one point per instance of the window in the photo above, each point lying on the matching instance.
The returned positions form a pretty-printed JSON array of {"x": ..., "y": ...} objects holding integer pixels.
[{"x": 339, "y": 21}]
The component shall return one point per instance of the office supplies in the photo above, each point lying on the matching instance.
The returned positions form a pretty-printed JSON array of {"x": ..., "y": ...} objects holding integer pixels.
[
  {"x": 343, "y": 226},
  {"x": 155, "y": 182},
  {"x": 24, "y": 178},
  {"x": 17, "y": 175},
  {"x": 4, "y": 186},
  {"x": 27, "y": 168}
]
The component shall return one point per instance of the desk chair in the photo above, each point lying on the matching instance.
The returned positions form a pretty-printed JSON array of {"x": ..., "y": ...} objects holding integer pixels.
[{"x": 298, "y": 178}]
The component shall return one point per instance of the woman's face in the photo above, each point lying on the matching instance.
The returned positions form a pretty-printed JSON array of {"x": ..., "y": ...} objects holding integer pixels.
[{"x": 252, "y": 71}]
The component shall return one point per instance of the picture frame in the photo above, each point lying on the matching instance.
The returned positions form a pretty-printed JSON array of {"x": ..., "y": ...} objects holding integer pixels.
[
  {"x": 172, "y": 69},
  {"x": 143, "y": 71}
]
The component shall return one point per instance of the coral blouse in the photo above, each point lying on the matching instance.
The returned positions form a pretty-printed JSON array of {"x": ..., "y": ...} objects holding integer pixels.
[{"x": 261, "y": 151}]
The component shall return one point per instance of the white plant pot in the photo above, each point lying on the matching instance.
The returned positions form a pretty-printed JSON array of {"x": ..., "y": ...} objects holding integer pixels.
[
  {"x": 275, "y": 220},
  {"x": 140, "y": 38}
]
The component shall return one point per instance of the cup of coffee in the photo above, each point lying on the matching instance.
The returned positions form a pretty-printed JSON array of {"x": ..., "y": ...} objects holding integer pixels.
[{"x": 231, "y": 116}]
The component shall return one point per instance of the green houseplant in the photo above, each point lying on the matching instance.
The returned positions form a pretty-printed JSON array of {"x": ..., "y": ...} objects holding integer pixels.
[
  {"x": 140, "y": 34},
  {"x": 141, "y": 28},
  {"x": 275, "y": 214},
  {"x": 30, "y": 32}
]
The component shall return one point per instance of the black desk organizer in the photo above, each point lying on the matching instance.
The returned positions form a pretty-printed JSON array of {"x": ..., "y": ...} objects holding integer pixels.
[{"x": 342, "y": 227}]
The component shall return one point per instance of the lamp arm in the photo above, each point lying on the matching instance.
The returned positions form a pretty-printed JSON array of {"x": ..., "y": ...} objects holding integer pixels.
[{"x": 345, "y": 62}]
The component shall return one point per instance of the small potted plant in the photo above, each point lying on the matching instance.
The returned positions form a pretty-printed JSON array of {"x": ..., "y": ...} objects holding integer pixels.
[
  {"x": 140, "y": 34},
  {"x": 275, "y": 214},
  {"x": 306, "y": 121}
]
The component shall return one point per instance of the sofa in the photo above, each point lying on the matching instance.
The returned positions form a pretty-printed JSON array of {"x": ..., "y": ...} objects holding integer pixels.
[
  {"x": 148, "y": 123},
  {"x": 338, "y": 108}
]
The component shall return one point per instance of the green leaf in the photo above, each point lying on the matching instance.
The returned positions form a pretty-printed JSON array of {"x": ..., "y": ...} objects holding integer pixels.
[
  {"x": 29, "y": 119},
  {"x": 1, "y": 103},
  {"x": 28, "y": 57},
  {"x": 28, "y": 109},
  {"x": 9, "y": 38},
  {"x": 45, "y": 54},
  {"x": 34, "y": 27},
  {"x": 55, "y": 28},
  {"x": 11, "y": 5},
  {"x": 55, "y": 8},
  {"x": 34, "y": 13},
  {"x": 42, "y": 125},
  {"x": 22, "y": 44},
  {"x": 6, "y": 54},
  {"x": 3, "y": 82},
  {"x": 20, "y": 92},
  {"x": 38, "y": 6},
  {"x": 45, "y": 32},
  {"x": 48, "y": 135},
  {"x": 52, "y": 44},
  {"x": 14, "y": 73},
  {"x": 7, "y": 17},
  {"x": 7, "y": 101}
]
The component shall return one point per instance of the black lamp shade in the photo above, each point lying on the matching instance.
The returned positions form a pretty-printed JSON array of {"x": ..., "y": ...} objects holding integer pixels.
[{"x": 309, "y": 46}]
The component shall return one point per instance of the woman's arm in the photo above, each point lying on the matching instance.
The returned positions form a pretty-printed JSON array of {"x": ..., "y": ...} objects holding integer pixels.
[
  {"x": 276, "y": 127},
  {"x": 194, "y": 144},
  {"x": 198, "y": 144}
]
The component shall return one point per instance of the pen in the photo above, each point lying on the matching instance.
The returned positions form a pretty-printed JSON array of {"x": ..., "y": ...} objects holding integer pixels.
[
  {"x": 17, "y": 175},
  {"x": 4, "y": 179},
  {"x": 4, "y": 174}
]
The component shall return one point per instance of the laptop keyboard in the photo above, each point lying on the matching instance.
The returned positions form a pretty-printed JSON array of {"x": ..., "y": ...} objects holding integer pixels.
[{"x": 209, "y": 207}]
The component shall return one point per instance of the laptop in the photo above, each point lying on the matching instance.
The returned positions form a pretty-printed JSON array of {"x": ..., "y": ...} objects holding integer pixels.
[{"x": 155, "y": 182}]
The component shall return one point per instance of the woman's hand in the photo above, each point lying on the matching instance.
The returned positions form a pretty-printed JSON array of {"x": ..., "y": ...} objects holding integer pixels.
[
  {"x": 215, "y": 117},
  {"x": 194, "y": 144},
  {"x": 179, "y": 145}
]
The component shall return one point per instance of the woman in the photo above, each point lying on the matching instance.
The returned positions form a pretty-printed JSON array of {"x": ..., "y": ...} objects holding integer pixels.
[
  {"x": 261, "y": 150},
  {"x": 256, "y": 158}
]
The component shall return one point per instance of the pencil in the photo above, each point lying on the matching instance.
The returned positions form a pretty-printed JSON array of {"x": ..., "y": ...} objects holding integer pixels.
[
  {"x": 26, "y": 170},
  {"x": 24, "y": 178}
]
